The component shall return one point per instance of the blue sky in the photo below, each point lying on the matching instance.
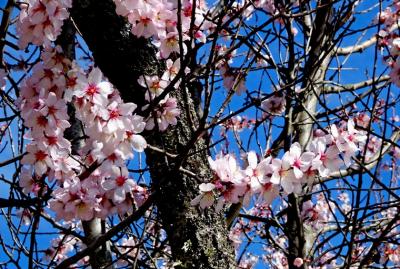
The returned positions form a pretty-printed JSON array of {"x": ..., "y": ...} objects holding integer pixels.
[{"x": 356, "y": 62}]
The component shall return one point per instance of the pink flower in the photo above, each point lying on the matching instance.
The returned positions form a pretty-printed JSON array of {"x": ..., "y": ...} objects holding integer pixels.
[
  {"x": 234, "y": 82},
  {"x": 144, "y": 23},
  {"x": 258, "y": 174},
  {"x": 349, "y": 141},
  {"x": 76, "y": 200},
  {"x": 173, "y": 69},
  {"x": 298, "y": 262},
  {"x": 132, "y": 139},
  {"x": 55, "y": 145},
  {"x": 28, "y": 183},
  {"x": 226, "y": 168},
  {"x": 137, "y": 142},
  {"x": 40, "y": 21},
  {"x": 166, "y": 114},
  {"x": 96, "y": 90},
  {"x": 274, "y": 105},
  {"x": 283, "y": 175},
  {"x": 154, "y": 84},
  {"x": 129, "y": 249},
  {"x": 117, "y": 116},
  {"x": 300, "y": 162},
  {"x": 120, "y": 184},
  {"x": 170, "y": 44},
  {"x": 54, "y": 109},
  {"x": 326, "y": 160},
  {"x": 38, "y": 158}
]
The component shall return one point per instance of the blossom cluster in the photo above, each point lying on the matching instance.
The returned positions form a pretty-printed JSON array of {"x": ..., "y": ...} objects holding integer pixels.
[
  {"x": 318, "y": 214},
  {"x": 40, "y": 21},
  {"x": 166, "y": 111},
  {"x": 45, "y": 112},
  {"x": 232, "y": 80},
  {"x": 128, "y": 249},
  {"x": 158, "y": 20},
  {"x": 274, "y": 105},
  {"x": 390, "y": 39},
  {"x": 237, "y": 124},
  {"x": 111, "y": 134},
  {"x": 60, "y": 247},
  {"x": 110, "y": 130},
  {"x": 327, "y": 153},
  {"x": 248, "y": 7}
]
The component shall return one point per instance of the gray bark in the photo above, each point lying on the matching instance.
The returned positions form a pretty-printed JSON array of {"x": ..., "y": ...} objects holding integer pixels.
[
  {"x": 197, "y": 239},
  {"x": 319, "y": 58}
]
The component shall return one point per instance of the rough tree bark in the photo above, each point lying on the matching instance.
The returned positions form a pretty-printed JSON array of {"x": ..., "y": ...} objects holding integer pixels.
[{"x": 197, "y": 239}]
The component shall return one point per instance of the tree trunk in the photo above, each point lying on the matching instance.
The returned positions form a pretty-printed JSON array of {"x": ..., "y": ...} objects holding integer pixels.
[
  {"x": 197, "y": 239},
  {"x": 315, "y": 69}
]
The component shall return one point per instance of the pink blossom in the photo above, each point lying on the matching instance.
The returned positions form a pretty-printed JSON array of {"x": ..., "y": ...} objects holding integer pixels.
[
  {"x": 144, "y": 23},
  {"x": 298, "y": 160},
  {"x": 38, "y": 158},
  {"x": 170, "y": 44},
  {"x": 326, "y": 158},
  {"x": 120, "y": 184},
  {"x": 274, "y": 105},
  {"x": 129, "y": 249},
  {"x": 166, "y": 114},
  {"x": 298, "y": 262},
  {"x": 226, "y": 168},
  {"x": 154, "y": 84},
  {"x": 284, "y": 176},
  {"x": 96, "y": 90},
  {"x": 40, "y": 22},
  {"x": 117, "y": 116}
]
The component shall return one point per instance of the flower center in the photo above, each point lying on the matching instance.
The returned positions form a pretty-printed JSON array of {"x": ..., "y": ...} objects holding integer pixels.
[
  {"x": 40, "y": 155},
  {"x": 120, "y": 180},
  {"x": 92, "y": 90}
]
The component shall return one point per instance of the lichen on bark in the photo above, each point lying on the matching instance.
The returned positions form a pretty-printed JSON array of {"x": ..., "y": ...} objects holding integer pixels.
[{"x": 198, "y": 239}]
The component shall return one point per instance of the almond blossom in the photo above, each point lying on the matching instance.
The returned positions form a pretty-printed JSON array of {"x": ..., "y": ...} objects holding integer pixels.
[
  {"x": 154, "y": 84},
  {"x": 38, "y": 158},
  {"x": 326, "y": 160},
  {"x": 260, "y": 177},
  {"x": 112, "y": 130},
  {"x": 166, "y": 114},
  {"x": 284, "y": 176},
  {"x": 128, "y": 249},
  {"x": 40, "y": 21},
  {"x": 96, "y": 90},
  {"x": 119, "y": 184},
  {"x": 117, "y": 116},
  {"x": 275, "y": 105},
  {"x": 298, "y": 160},
  {"x": 294, "y": 170}
]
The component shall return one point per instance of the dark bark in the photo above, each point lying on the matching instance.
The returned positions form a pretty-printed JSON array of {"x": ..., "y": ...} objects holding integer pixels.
[
  {"x": 120, "y": 56},
  {"x": 197, "y": 239}
]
